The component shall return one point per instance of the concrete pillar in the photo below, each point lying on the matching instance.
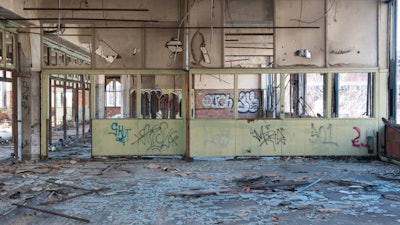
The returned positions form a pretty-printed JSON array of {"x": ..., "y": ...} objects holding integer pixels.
[
  {"x": 28, "y": 98},
  {"x": 100, "y": 96},
  {"x": 126, "y": 86}
]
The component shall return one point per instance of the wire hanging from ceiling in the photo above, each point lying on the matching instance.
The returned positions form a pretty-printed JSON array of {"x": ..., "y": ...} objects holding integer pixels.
[
  {"x": 180, "y": 23},
  {"x": 313, "y": 21}
]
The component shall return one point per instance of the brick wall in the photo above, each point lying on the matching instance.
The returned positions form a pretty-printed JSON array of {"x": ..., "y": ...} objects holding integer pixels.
[
  {"x": 112, "y": 111},
  {"x": 218, "y": 104}
]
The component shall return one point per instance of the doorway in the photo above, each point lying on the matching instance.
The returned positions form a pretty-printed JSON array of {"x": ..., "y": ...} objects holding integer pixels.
[
  {"x": 6, "y": 115},
  {"x": 69, "y": 122}
]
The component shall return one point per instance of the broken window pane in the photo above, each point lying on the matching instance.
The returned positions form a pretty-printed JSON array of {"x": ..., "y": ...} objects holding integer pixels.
[
  {"x": 113, "y": 93},
  {"x": 161, "y": 97},
  {"x": 10, "y": 44},
  {"x": 270, "y": 86},
  {"x": 304, "y": 95},
  {"x": 352, "y": 95}
]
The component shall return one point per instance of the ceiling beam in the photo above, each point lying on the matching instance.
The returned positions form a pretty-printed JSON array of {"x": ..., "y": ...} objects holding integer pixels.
[
  {"x": 87, "y": 9},
  {"x": 76, "y": 19},
  {"x": 110, "y": 26}
]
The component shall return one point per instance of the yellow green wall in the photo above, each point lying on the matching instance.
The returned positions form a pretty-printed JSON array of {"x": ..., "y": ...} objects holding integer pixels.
[
  {"x": 281, "y": 137},
  {"x": 112, "y": 137}
]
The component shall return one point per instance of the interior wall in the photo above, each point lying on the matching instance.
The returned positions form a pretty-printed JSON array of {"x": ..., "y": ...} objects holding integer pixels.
[
  {"x": 298, "y": 14},
  {"x": 352, "y": 32},
  {"x": 203, "y": 14},
  {"x": 157, "y": 55},
  {"x": 121, "y": 44},
  {"x": 281, "y": 137},
  {"x": 352, "y": 39}
]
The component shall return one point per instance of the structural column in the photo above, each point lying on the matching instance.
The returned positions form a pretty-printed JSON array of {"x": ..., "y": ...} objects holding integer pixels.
[{"x": 28, "y": 97}]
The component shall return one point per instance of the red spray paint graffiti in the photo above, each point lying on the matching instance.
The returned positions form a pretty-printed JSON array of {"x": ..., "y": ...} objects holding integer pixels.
[{"x": 356, "y": 141}]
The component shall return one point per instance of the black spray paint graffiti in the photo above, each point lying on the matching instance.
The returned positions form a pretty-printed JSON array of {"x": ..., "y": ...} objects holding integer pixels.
[
  {"x": 248, "y": 103},
  {"x": 25, "y": 99},
  {"x": 265, "y": 135},
  {"x": 217, "y": 101},
  {"x": 120, "y": 133},
  {"x": 157, "y": 137},
  {"x": 322, "y": 135}
]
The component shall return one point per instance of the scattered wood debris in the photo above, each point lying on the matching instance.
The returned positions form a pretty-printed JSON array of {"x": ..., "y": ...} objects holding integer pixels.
[
  {"x": 308, "y": 186},
  {"x": 328, "y": 210},
  {"x": 392, "y": 197},
  {"x": 275, "y": 219},
  {"x": 350, "y": 183},
  {"x": 197, "y": 193},
  {"x": 106, "y": 169},
  {"x": 74, "y": 196},
  {"x": 279, "y": 184},
  {"x": 67, "y": 185},
  {"x": 153, "y": 166},
  {"x": 173, "y": 170},
  {"x": 53, "y": 213}
]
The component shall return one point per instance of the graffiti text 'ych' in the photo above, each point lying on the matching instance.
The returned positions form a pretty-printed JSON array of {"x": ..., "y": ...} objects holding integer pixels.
[
  {"x": 217, "y": 101},
  {"x": 157, "y": 137}
]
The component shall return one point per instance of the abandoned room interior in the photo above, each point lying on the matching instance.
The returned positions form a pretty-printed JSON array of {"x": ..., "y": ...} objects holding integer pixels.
[{"x": 280, "y": 92}]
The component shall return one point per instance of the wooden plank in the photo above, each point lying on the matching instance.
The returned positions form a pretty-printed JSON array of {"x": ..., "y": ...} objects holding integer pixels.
[
  {"x": 196, "y": 193},
  {"x": 281, "y": 184},
  {"x": 53, "y": 213}
]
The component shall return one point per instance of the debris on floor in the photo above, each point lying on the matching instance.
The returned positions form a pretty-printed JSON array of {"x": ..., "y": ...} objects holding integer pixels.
[{"x": 171, "y": 191}]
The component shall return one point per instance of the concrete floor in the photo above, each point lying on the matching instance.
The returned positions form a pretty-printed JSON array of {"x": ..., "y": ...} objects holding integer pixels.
[{"x": 213, "y": 191}]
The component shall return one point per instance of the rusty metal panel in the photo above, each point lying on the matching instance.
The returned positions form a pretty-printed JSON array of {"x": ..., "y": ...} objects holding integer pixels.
[{"x": 392, "y": 142}]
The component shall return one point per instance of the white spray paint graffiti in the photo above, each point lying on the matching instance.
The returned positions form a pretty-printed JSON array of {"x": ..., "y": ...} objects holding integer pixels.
[
  {"x": 248, "y": 103},
  {"x": 217, "y": 101}
]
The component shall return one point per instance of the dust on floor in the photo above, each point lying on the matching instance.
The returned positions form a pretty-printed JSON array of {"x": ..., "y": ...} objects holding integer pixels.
[{"x": 213, "y": 191}]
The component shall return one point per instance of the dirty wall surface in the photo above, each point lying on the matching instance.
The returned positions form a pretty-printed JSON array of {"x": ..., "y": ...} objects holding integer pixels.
[{"x": 212, "y": 191}]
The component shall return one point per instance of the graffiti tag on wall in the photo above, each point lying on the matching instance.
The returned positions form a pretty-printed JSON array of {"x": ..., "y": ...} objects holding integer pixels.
[
  {"x": 322, "y": 135},
  {"x": 266, "y": 135},
  {"x": 25, "y": 99},
  {"x": 220, "y": 140},
  {"x": 248, "y": 103},
  {"x": 121, "y": 134},
  {"x": 356, "y": 141},
  {"x": 217, "y": 101},
  {"x": 157, "y": 137}
]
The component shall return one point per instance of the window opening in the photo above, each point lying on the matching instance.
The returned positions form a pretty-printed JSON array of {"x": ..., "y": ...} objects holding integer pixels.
[
  {"x": 304, "y": 95},
  {"x": 161, "y": 97},
  {"x": 9, "y": 39},
  {"x": 352, "y": 95},
  {"x": 113, "y": 97}
]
